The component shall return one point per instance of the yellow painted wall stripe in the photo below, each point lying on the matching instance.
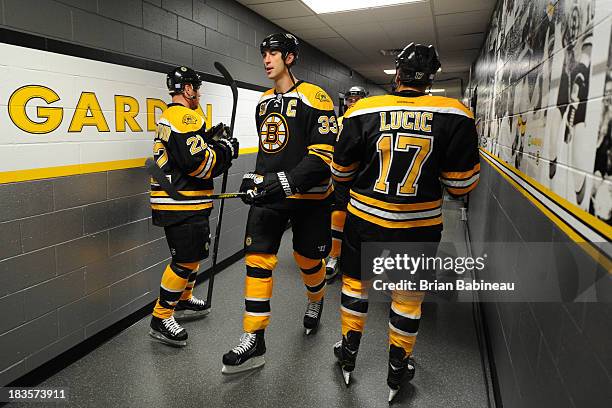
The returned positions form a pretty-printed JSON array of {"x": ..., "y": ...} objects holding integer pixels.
[
  {"x": 85, "y": 168},
  {"x": 588, "y": 219},
  {"x": 589, "y": 249}
]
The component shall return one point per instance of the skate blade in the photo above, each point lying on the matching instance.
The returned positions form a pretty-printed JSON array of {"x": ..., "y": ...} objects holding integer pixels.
[
  {"x": 392, "y": 394},
  {"x": 310, "y": 331},
  {"x": 250, "y": 364},
  {"x": 158, "y": 336},
  {"x": 347, "y": 377},
  {"x": 190, "y": 314}
]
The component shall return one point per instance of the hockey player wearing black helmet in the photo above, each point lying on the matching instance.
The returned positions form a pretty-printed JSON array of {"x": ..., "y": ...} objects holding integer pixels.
[
  {"x": 394, "y": 155},
  {"x": 291, "y": 181},
  {"x": 338, "y": 216},
  {"x": 415, "y": 67},
  {"x": 190, "y": 156}
]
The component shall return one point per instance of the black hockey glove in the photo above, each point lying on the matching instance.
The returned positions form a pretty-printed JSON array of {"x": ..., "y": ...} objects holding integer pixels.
[
  {"x": 232, "y": 146},
  {"x": 216, "y": 132},
  {"x": 220, "y": 134},
  {"x": 250, "y": 182},
  {"x": 276, "y": 186}
]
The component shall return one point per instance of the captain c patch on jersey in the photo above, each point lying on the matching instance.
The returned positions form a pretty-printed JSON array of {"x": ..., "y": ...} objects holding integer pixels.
[{"x": 274, "y": 133}]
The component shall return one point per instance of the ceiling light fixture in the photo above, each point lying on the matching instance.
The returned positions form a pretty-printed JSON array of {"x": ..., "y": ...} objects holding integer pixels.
[
  {"x": 327, "y": 6},
  {"x": 437, "y": 90}
]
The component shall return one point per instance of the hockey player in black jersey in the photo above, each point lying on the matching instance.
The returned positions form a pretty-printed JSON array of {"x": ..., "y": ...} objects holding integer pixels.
[
  {"x": 190, "y": 156},
  {"x": 394, "y": 154},
  {"x": 338, "y": 217},
  {"x": 297, "y": 129}
]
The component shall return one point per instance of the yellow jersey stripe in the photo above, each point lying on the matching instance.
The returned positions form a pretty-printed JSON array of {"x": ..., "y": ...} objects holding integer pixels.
[
  {"x": 394, "y": 224},
  {"x": 213, "y": 157},
  {"x": 179, "y": 207},
  {"x": 326, "y": 147},
  {"x": 341, "y": 179},
  {"x": 425, "y": 103},
  {"x": 348, "y": 168},
  {"x": 201, "y": 166},
  {"x": 326, "y": 159},
  {"x": 430, "y": 205},
  {"x": 196, "y": 193},
  {"x": 461, "y": 174}
]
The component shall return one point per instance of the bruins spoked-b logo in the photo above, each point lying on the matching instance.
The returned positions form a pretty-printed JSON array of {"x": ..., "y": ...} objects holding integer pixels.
[{"x": 274, "y": 133}]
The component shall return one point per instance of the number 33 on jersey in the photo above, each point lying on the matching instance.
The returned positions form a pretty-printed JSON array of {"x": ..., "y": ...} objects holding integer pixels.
[{"x": 291, "y": 125}]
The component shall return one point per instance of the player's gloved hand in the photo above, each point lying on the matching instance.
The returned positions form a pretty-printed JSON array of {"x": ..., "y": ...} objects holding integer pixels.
[
  {"x": 276, "y": 186},
  {"x": 232, "y": 145},
  {"x": 250, "y": 182},
  {"x": 220, "y": 134}
]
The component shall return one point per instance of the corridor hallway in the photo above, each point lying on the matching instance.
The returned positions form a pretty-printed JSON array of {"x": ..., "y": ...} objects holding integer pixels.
[{"x": 134, "y": 370}]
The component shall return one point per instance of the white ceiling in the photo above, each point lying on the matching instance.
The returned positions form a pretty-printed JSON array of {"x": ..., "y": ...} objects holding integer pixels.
[{"x": 455, "y": 27}]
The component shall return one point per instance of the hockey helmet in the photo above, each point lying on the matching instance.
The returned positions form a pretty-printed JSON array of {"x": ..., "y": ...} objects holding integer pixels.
[
  {"x": 179, "y": 77},
  {"x": 356, "y": 91},
  {"x": 284, "y": 42},
  {"x": 417, "y": 64}
]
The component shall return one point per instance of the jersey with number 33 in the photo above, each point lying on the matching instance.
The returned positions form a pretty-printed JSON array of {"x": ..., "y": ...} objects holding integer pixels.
[{"x": 297, "y": 131}]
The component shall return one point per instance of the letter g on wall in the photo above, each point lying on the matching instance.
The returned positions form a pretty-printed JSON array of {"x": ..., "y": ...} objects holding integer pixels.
[{"x": 17, "y": 109}]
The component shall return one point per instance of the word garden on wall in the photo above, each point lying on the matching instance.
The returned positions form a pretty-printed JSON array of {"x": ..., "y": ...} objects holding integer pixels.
[{"x": 62, "y": 115}]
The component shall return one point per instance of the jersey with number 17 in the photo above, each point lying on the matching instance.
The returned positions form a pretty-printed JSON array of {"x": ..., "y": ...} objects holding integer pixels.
[
  {"x": 397, "y": 151},
  {"x": 292, "y": 125}
]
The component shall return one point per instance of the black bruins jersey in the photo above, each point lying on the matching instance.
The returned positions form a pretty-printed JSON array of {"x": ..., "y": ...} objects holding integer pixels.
[
  {"x": 188, "y": 162},
  {"x": 397, "y": 151},
  {"x": 297, "y": 131}
]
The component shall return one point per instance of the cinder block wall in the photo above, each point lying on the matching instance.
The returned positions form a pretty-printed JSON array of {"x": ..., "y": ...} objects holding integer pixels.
[
  {"x": 79, "y": 253},
  {"x": 189, "y": 32},
  {"x": 540, "y": 60}
]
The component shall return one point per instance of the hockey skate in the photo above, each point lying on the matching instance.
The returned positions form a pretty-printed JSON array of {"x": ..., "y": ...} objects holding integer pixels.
[
  {"x": 168, "y": 331},
  {"x": 247, "y": 355},
  {"x": 193, "y": 308},
  {"x": 346, "y": 352},
  {"x": 401, "y": 368},
  {"x": 312, "y": 317},
  {"x": 331, "y": 268}
]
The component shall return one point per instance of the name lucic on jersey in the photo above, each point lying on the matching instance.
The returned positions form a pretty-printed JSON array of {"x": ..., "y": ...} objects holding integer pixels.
[{"x": 408, "y": 120}]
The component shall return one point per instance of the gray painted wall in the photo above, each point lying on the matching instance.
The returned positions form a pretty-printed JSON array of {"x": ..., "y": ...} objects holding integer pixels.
[
  {"x": 79, "y": 253},
  {"x": 547, "y": 354}
]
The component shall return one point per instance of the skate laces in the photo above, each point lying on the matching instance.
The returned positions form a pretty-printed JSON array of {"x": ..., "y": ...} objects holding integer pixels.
[
  {"x": 171, "y": 325},
  {"x": 246, "y": 342},
  {"x": 313, "y": 309},
  {"x": 198, "y": 302},
  {"x": 331, "y": 262}
]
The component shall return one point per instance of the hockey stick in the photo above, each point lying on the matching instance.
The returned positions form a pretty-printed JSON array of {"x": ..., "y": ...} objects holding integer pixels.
[
  {"x": 232, "y": 84},
  {"x": 160, "y": 177}
]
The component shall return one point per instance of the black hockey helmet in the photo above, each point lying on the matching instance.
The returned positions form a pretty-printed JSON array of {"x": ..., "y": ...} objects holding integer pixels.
[
  {"x": 179, "y": 77},
  {"x": 417, "y": 64},
  {"x": 284, "y": 42},
  {"x": 356, "y": 91}
]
